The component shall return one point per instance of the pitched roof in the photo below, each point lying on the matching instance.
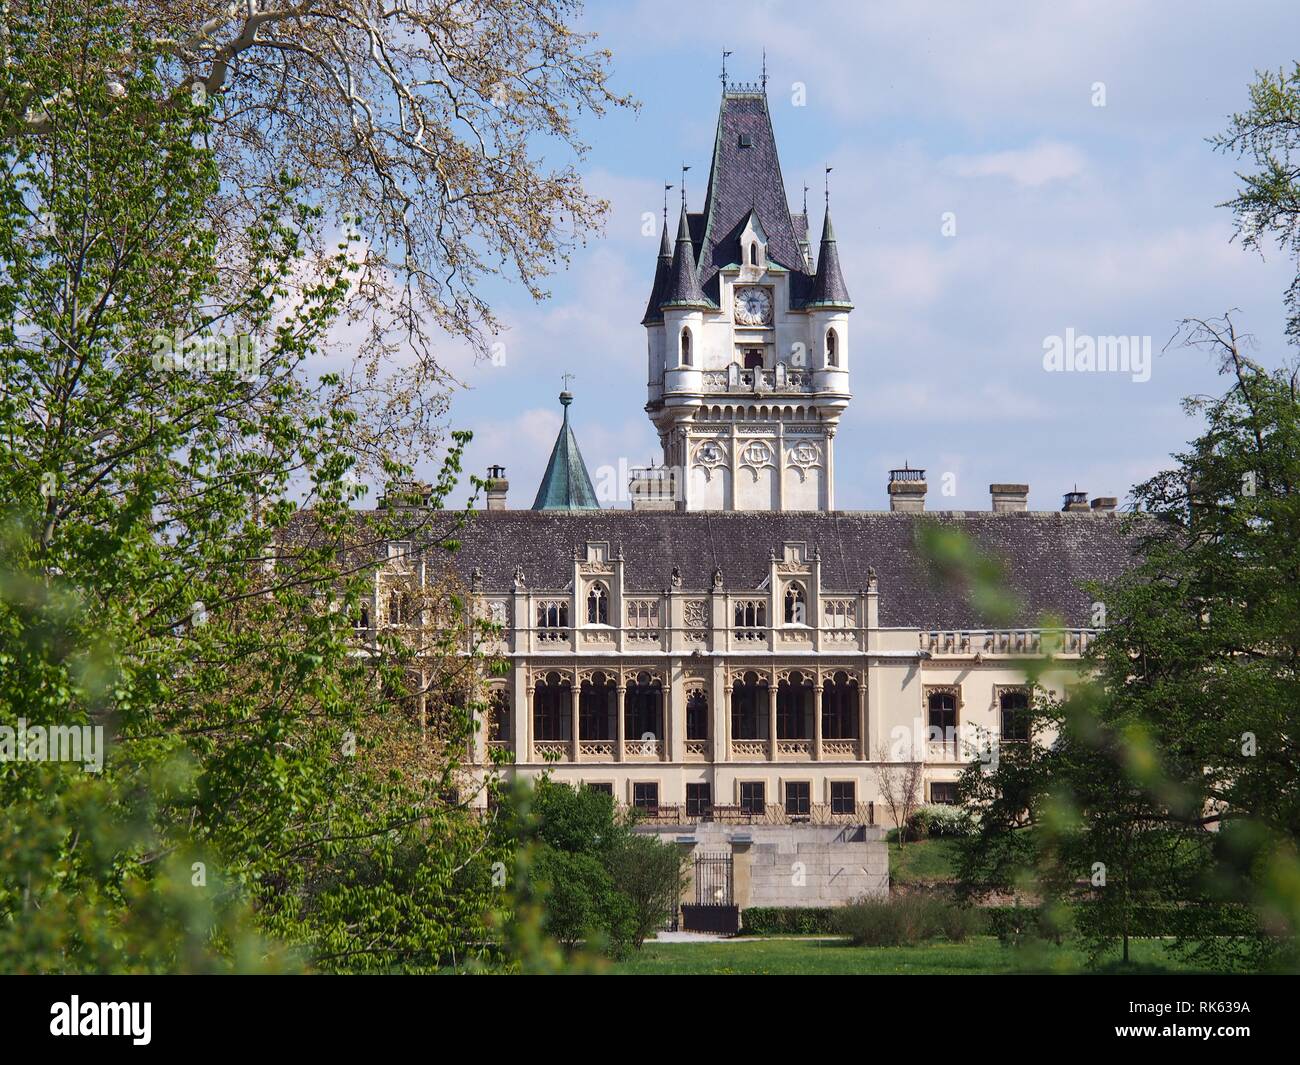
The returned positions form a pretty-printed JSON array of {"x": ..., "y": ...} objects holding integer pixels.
[
  {"x": 745, "y": 175},
  {"x": 663, "y": 264},
  {"x": 1046, "y": 555},
  {"x": 566, "y": 484},
  {"x": 828, "y": 289}
]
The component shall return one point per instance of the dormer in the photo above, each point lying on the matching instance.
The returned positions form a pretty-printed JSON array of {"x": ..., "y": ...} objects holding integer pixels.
[{"x": 753, "y": 249}]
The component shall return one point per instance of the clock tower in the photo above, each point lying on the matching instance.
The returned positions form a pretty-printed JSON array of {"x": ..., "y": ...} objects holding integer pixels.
[{"x": 748, "y": 339}]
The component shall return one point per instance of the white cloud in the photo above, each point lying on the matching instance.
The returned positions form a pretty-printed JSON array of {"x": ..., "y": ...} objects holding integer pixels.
[{"x": 1027, "y": 167}]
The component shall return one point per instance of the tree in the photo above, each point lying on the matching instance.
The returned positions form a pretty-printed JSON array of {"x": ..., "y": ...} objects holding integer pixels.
[
  {"x": 901, "y": 774},
  {"x": 443, "y": 132},
  {"x": 151, "y": 552}
]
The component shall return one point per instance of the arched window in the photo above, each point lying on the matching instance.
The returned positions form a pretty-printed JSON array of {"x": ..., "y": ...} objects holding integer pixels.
[
  {"x": 399, "y": 608},
  {"x": 598, "y": 708},
  {"x": 796, "y": 604},
  {"x": 499, "y": 711},
  {"x": 749, "y": 708},
  {"x": 363, "y": 618},
  {"x": 832, "y": 348},
  {"x": 553, "y": 708},
  {"x": 643, "y": 704},
  {"x": 794, "y": 708},
  {"x": 753, "y": 254},
  {"x": 686, "y": 347},
  {"x": 840, "y": 707},
  {"x": 598, "y": 604}
]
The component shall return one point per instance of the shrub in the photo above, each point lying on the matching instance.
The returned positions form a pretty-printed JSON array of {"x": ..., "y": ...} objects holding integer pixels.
[
  {"x": 788, "y": 920},
  {"x": 903, "y": 920},
  {"x": 940, "y": 821}
]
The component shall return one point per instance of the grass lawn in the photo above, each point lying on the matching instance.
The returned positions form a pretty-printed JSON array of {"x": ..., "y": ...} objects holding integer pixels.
[
  {"x": 982, "y": 954},
  {"x": 923, "y": 861}
]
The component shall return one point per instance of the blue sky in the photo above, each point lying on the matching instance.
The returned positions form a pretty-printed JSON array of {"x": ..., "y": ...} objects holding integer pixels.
[{"x": 1068, "y": 216}]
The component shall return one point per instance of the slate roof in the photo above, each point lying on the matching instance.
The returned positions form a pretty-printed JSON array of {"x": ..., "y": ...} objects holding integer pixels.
[
  {"x": 1046, "y": 555},
  {"x": 683, "y": 287},
  {"x": 828, "y": 289},
  {"x": 566, "y": 485},
  {"x": 663, "y": 264}
]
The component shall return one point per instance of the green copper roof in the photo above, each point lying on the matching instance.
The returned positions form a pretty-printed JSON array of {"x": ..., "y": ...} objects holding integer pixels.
[{"x": 566, "y": 484}]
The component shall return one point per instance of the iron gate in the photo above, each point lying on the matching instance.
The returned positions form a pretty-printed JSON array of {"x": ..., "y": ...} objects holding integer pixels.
[{"x": 714, "y": 909}]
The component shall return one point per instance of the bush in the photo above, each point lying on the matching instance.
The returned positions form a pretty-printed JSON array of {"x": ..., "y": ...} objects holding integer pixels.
[
  {"x": 788, "y": 920},
  {"x": 904, "y": 920},
  {"x": 940, "y": 821}
]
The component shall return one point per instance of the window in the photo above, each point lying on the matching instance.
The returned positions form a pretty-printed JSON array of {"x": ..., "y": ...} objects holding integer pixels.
[
  {"x": 840, "y": 708},
  {"x": 553, "y": 708},
  {"x": 363, "y": 618},
  {"x": 844, "y": 797},
  {"x": 753, "y": 358},
  {"x": 753, "y": 254},
  {"x": 1015, "y": 714},
  {"x": 399, "y": 608},
  {"x": 598, "y": 604},
  {"x": 600, "y": 789},
  {"x": 943, "y": 717},
  {"x": 499, "y": 709},
  {"x": 796, "y": 604},
  {"x": 753, "y": 797},
  {"x": 794, "y": 708},
  {"x": 686, "y": 347},
  {"x": 697, "y": 715},
  {"x": 642, "y": 613},
  {"x": 553, "y": 614},
  {"x": 944, "y": 791},
  {"x": 597, "y": 708},
  {"x": 832, "y": 348},
  {"x": 644, "y": 708},
  {"x": 645, "y": 796},
  {"x": 751, "y": 613},
  {"x": 798, "y": 798},
  {"x": 699, "y": 800},
  {"x": 749, "y": 709},
  {"x": 399, "y": 551}
]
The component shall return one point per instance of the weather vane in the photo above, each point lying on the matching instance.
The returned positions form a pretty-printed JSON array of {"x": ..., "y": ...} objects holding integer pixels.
[
  {"x": 566, "y": 378},
  {"x": 684, "y": 169},
  {"x": 827, "y": 179},
  {"x": 724, "y": 69},
  {"x": 667, "y": 189}
]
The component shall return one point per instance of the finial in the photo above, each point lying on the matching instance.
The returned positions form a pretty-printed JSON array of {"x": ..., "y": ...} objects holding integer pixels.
[
  {"x": 765, "y": 70},
  {"x": 566, "y": 397},
  {"x": 667, "y": 189},
  {"x": 724, "y": 70},
  {"x": 805, "y": 199},
  {"x": 684, "y": 169},
  {"x": 827, "y": 179}
]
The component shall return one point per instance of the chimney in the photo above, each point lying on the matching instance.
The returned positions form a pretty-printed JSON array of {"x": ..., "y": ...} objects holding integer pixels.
[
  {"x": 1104, "y": 504},
  {"x": 654, "y": 488},
  {"x": 1076, "y": 502},
  {"x": 1009, "y": 498},
  {"x": 497, "y": 487},
  {"x": 907, "y": 490}
]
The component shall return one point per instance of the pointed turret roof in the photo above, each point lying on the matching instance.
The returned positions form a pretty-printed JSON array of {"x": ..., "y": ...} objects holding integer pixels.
[
  {"x": 683, "y": 284},
  {"x": 566, "y": 485},
  {"x": 663, "y": 266},
  {"x": 828, "y": 288}
]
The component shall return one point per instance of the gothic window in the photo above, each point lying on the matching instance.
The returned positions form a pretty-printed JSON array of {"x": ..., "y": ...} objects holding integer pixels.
[
  {"x": 697, "y": 715},
  {"x": 644, "y": 708},
  {"x": 840, "y": 707},
  {"x": 553, "y": 614},
  {"x": 597, "y": 708},
  {"x": 794, "y": 706},
  {"x": 832, "y": 348},
  {"x": 753, "y": 358},
  {"x": 796, "y": 604},
  {"x": 753, "y": 254},
  {"x": 399, "y": 608},
  {"x": 499, "y": 711},
  {"x": 598, "y": 604},
  {"x": 1015, "y": 714},
  {"x": 686, "y": 347},
  {"x": 553, "y": 708},
  {"x": 751, "y": 613},
  {"x": 749, "y": 709},
  {"x": 363, "y": 618}
]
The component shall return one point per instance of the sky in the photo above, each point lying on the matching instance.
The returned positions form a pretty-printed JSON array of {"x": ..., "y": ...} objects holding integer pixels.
[{"x": 1064, "y": 142}]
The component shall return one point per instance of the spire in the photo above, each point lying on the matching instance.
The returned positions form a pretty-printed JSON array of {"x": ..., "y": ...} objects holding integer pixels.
[
  {"x": 828, "y": 288},
  {"x": 566, "y": 485},
  {"x": 683, "y": 285},
  {"x": 663, "y": 266}
]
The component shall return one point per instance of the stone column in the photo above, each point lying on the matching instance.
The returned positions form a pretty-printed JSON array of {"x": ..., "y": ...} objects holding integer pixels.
[
  {"x": 771, "y": 720},
  {"x": 621, "y": 725},
  {"x": 817, "y": 719},
  {"x": 575, "y": 721},
  {"x": 525, "y": 727},
  {"x": 722, "y": 727},
  {"x": 864, "y": 735}
]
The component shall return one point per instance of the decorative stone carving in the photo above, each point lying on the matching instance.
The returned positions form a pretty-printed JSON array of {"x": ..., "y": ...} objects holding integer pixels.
[
  {"x": 520, "y": 582},
  {"x": 694, "y": 614},
  {"x": 676, "y": 579},
  {"x": 717, "y": 578}
]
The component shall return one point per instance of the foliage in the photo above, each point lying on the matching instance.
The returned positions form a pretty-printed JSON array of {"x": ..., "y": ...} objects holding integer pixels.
[
  {"x": 941, "y": 821},
  {"x": 787, "y": 920},
  {"x": 904, "y": 919}
]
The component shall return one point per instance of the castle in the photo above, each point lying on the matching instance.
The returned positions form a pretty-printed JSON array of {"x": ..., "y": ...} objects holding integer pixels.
[{"x": 733, "y": 647}]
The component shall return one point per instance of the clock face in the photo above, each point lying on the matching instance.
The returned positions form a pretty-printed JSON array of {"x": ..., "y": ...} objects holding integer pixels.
[{"x": 753, "y": 306}]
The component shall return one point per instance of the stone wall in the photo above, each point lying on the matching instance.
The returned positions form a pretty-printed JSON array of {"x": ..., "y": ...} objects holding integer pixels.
[{"x": 792, "y": 865}]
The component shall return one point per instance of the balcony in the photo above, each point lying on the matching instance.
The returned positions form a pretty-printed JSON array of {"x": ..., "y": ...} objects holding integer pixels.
[{"x": 782, "y": 379}]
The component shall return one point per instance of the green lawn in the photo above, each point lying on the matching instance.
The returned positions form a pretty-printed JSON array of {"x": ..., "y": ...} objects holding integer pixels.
[
  {"x": 982, "y": 954},
  {"x": 925, "y": 860}
]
